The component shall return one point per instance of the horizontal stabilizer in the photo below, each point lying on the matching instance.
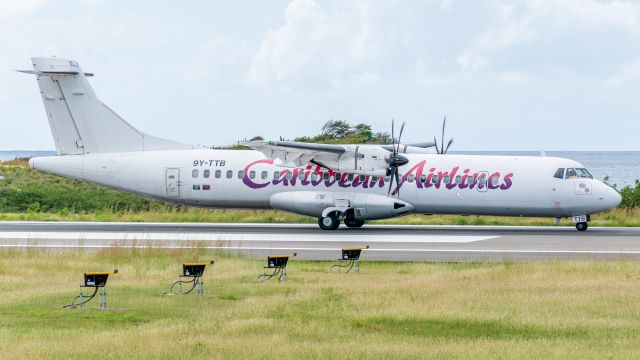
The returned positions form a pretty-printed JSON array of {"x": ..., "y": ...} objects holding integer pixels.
[{"x": 51, "y": 73}]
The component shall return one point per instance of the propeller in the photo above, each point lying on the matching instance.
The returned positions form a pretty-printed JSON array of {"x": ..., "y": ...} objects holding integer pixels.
[
  {"x": 395, "y": 160},
  {"x": 442, "y": 149}
]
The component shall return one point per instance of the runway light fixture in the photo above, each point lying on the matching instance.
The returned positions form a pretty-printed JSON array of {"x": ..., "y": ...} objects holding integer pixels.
[
  {"x": 350, "y": 259},
  {"x": 194, "y": 270},
  {"x": 96, "y": 280},
  {"x": 276, "y": 265}
]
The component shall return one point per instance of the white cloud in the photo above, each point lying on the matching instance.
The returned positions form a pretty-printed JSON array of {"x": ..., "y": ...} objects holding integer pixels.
[
  {"x": 13, "y": 8},
  {"x": 316, "y": 45},
  {"x": 626, "y": 74}
]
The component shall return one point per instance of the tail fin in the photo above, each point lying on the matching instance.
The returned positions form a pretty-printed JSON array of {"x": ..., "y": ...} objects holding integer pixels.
[{"x": 79, "y": 121}]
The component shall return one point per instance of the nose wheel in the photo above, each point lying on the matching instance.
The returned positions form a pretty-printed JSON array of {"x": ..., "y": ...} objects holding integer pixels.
[{"x": 582, "y": 226}]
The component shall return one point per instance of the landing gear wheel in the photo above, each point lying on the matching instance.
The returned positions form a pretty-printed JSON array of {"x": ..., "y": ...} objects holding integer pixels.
[
  {"x": 582, "y": 226},
  {"x": 329, "y": 222},
  {"x": 352, "y": 223}
]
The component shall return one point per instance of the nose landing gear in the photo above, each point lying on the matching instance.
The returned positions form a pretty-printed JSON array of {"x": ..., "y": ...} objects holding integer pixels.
[{"x": 581, "y": 222}]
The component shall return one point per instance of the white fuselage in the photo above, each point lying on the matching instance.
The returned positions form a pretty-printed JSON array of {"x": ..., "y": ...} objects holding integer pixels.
[{"x": 430, "y": 183}]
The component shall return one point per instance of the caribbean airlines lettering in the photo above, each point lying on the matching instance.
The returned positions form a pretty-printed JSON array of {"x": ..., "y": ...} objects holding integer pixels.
[{"x": 293, "y": 177}]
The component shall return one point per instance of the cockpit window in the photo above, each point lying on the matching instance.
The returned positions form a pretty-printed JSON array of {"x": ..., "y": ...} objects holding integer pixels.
[
  {"x": 571, "y": 174},
  {"x": 583, "y": 173},
  {"x": 559, "y": 173}
]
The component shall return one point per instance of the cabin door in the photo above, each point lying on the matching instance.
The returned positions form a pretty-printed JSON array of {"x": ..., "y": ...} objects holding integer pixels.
[
  {"x": 173, "y": 182},
  {"x": 483, "y": 181}
]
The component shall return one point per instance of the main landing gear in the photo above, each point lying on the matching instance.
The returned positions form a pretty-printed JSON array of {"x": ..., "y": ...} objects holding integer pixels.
[
  {"x": 329, "y": 222},
  {"x": 332, "y": 221},
  {"x": 353, "y": 223}
]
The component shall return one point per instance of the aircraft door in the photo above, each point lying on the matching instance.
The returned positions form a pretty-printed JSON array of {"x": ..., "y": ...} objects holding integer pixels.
[
  {"x": 483, "y": 181},
  {"x": 173, "y": 182}
]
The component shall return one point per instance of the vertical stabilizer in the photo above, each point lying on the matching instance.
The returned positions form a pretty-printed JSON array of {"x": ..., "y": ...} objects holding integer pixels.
[{"x": 79, "y": 121}]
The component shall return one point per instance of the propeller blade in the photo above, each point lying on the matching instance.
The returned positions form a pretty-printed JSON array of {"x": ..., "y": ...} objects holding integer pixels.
[
  {"x": 435, "y": 142},
  {"x": 393, "y": 135},
  {"x": 390, "y": 182},
  {"x": 400, "y": 136},
  {"x": 397, "y": 181},
  {"x": 444, "y": 123},
  {"x": 448, "y": 145}
]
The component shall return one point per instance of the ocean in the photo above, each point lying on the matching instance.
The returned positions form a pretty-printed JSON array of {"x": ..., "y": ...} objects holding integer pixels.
[{"x": 622, "y": 167}]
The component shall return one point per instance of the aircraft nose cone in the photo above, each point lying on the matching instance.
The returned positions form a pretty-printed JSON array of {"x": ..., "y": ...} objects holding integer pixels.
[{"x": 615, "y": 198}]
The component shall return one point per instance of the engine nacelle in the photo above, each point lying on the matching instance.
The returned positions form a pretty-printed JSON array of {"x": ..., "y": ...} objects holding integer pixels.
[
  {"x": 362, "y": 160},
  {"x": 363, "y": 206}
]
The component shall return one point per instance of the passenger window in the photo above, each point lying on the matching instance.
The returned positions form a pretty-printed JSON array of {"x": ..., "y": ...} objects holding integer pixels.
[
  {"x": 252, "y": 174},
  {"x": 218, "y": 174},
  {"x": 229, "y": 174},
  {"x": 387, "y": 178},
  {"x": 350, "y": 177},
  {"x": 264, "y": 175},
  {"x": 446, "y": 179},
  {"x": 240, "y": 174},
  {"x": 288, "y": 175},
  {"x": 276, "y": 175},
  {"x": 470, "y": 180},
  {"x": 571, "y": 174},
  {"x": 206, "y": 174},
  {"x": 494, "y": 181},
  {"x": 325, "y": 176},
  {"x": 194, "y": 173},
  {"x": 434, "y": 179},
  {"x": 423, "y": 178},
  {"x": 374, "y": 178},
  {"x": 300, "y": 176},
  {"x": 314, "y": 176},
  {"x": 559, "y": 173},
  {"x": 363, "y": 178},
  {"x": 459, "y": 179},
  {"x": 483, "y": 179},
  {"x": 411, "y": 177}
]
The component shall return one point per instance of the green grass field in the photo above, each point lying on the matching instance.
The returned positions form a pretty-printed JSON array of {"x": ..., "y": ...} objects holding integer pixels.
[{"x": 535, "y": 310}]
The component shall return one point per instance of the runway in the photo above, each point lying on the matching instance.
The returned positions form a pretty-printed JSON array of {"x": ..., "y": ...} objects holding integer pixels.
[{"x": 386, "y": 242}]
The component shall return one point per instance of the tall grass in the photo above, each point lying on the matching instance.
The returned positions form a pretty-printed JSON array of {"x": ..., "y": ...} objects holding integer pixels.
[{"x": 390, "y": 310}]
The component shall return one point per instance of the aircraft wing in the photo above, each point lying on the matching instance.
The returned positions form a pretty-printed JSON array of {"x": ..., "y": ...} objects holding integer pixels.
[{"x": 296, "y": 154}]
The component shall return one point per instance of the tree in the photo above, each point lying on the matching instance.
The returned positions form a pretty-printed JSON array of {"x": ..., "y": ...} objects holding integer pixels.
[{"x": 337, "y": 129}]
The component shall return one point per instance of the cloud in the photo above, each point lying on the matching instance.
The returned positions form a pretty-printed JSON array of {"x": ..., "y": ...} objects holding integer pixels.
[
  {"x": 318, "y": 45},
  {"x": 626, "y": 74},
  {"x": 13, "y": 8}
]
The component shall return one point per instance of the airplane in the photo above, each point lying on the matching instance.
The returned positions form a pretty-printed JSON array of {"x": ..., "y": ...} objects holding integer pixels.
[{"x": 348, "y": 184}]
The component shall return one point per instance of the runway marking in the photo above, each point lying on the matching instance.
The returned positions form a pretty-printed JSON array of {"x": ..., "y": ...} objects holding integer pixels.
[
  {"x": 500, "y": 251},
  {"x": 329, "y": 237}
]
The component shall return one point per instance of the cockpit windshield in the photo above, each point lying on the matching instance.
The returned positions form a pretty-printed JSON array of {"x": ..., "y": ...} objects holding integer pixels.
[
  {"x": 583, "y": 173},
  {"x": 573, "y": 173}
]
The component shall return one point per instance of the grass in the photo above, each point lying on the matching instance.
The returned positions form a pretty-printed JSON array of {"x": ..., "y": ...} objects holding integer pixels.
[
  {"x": 390, "y": 310},
  {"x": 27, "y": 194}
]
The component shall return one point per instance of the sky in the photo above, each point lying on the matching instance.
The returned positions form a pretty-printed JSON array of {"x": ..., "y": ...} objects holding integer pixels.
[{"x": 509, "y": 75}]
